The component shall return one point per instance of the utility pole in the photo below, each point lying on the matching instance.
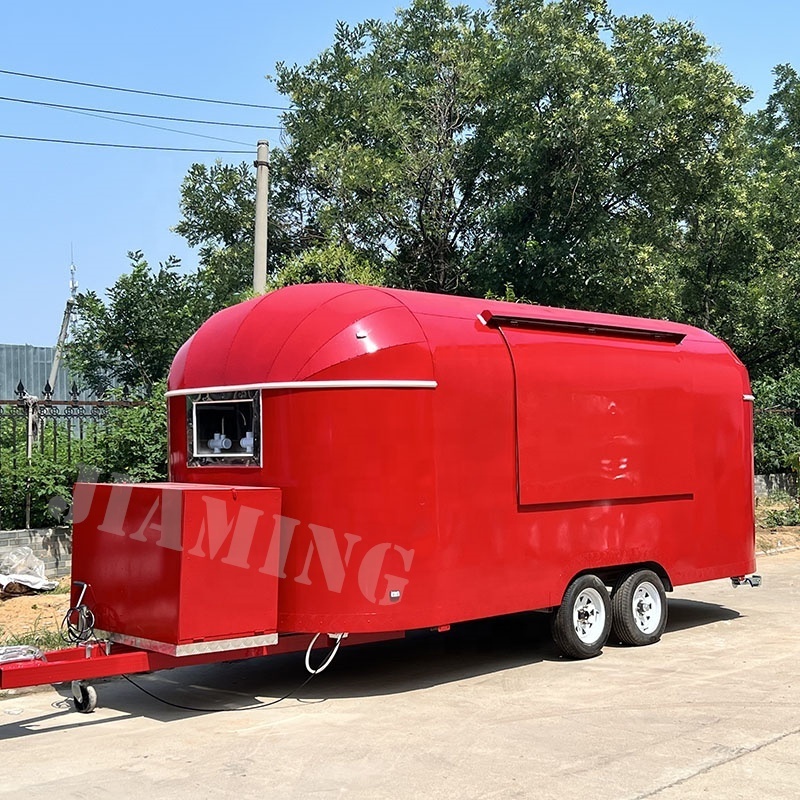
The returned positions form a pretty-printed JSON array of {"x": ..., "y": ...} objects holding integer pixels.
[
  {"x": 62, "y": 336},
  {"x": 262, "y": 194}
]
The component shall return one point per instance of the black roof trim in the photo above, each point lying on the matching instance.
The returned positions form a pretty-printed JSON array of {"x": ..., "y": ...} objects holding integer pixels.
[{"x": 587, "y": 328}]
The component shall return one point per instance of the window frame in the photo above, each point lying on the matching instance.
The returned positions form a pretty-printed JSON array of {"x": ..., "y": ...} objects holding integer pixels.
[{"x": 195, "y": 459}]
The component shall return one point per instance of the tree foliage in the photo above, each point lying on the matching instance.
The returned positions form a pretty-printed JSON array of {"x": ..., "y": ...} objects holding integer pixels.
[
  {"x": 131, "y": 339},
  {"x": 218, "y": 208},
  {"x": 777, "y": 413},
  {"x": 606, "y": 134},
  {"x": 329, "y": 263},
  {"x": 378, "y": 139},
  {"x": 135, "y": 438},
  {"x": 549, "y": 147}
]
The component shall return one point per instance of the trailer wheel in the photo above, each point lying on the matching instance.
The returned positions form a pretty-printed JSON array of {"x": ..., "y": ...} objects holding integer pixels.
[
  {"x": 84, "y": 697},
  {"x": 639, "y": 606},
  {"x": 582, "y": 623}
]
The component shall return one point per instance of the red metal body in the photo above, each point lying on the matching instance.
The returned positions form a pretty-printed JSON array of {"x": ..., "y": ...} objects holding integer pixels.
[
  {"x": 520, "y": 454},
  {"x": 416, "y": 460}
]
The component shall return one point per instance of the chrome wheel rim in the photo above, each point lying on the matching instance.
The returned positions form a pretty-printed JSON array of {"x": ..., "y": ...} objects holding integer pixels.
[
  {"x": 646, "y": 607},
  {"x": 589, "y": 616}
]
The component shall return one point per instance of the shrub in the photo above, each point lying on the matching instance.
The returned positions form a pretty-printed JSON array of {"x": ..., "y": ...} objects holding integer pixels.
[
  {"x": 777, "y": 517},
  {"x": 777, "y": 435},
  {"x": 130, "y": 441}
]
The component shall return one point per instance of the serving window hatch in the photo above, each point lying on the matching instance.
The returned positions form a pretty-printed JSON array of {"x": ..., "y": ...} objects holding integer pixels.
[
  {"x": 600, "y": 419},
  {"x": 224, "y": 428}
]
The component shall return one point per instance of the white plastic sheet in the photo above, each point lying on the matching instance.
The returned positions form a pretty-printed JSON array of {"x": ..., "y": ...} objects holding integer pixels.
[{"x": 21, "y": 566}]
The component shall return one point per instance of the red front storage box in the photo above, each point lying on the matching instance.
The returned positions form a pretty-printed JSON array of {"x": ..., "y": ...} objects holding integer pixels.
[{"x": 158, "y": 573}]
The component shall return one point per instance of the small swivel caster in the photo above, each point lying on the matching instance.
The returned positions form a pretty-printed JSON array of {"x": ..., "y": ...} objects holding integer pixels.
[{"x": 84, "y": 697}]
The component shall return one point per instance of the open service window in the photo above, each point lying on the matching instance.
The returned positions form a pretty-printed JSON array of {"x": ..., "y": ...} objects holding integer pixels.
[{"x": 224, "y": 429}]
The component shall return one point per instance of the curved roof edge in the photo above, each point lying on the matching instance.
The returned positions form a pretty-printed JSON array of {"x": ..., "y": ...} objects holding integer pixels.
[{"x": 333, "y": 332}]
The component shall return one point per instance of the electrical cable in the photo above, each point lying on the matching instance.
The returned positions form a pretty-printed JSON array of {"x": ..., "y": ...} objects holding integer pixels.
[
  {"x": 141, "y": 116},
  {"x": 77, "y": 626},
  {"x": 120, "y": 146},
  {"x": 326, "y": 663},
  {"x": 252, "y": 707},
  {"x": 142, "y": 91},
  {"x": 313, "y": 673},
  {"x": 154, "y": 127}
]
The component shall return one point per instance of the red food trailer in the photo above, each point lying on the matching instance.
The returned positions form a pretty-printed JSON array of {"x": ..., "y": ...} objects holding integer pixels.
[{"x": 358, "y": 462}]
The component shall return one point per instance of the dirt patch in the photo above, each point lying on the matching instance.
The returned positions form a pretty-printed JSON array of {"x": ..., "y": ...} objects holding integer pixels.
[
  {"x": 33, "y": 614},
  {"x": 768, "y": 539}
]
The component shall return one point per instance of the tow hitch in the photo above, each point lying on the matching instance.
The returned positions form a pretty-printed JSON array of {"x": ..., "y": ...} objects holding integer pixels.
[{"x": 750, "y": 580}]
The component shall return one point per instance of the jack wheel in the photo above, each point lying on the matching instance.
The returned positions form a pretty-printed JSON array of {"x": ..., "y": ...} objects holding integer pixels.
[{"x": 84, "y": 697}]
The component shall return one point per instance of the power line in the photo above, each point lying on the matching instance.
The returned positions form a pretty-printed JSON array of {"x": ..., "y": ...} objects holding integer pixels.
[
  {"x": 141, "y": 116},
  {"x": 153, "y": 127},
  {"x": 122, "y": 146},
  {"x": 142, "y": 91}
]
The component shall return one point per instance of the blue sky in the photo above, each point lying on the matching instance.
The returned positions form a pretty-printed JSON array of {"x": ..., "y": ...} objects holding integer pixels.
[{"x": 102, "y": 203}]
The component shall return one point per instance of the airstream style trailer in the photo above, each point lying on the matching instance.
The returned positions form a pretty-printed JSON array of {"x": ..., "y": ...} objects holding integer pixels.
[{"x": 356, "y": 462}]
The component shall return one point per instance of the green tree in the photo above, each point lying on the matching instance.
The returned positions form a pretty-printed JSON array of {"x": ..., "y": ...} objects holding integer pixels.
[
  {"x": 329, "y": 263},
  {"x": 218, "y": 217},
  {"x": 379, "y": 140},
  {"x": 777, "y": 411},
  {"x": 132, "y": 339},
  {"x": 544, "y": 149},
  {"x": 135, "y": 438},
  {"x": 549, "y": 148},
  {"x": 218, "y": 208},
  {"x": 601, "y": 135},
  {"x": 772, "y": 307},
  {"x": 738, "y": 252}
]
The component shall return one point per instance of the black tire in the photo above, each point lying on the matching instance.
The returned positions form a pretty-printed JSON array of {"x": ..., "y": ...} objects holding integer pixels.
[
  {"x": 582, "y": 623},
  {"x": 639, "y": 608},
  {"x": 84, "y": 697}
]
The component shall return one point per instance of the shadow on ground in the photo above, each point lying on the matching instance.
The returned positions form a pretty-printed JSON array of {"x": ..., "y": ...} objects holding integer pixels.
[
  {"x": 421, "y": 660},
  {"x": 685, "y": 614}
]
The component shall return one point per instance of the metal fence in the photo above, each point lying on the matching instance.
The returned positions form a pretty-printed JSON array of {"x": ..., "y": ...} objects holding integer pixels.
[{"x": 37, "y": 434}]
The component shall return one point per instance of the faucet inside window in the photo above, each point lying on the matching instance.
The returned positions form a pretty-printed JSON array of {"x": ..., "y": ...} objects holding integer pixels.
[{"x": 223, "y": 429}]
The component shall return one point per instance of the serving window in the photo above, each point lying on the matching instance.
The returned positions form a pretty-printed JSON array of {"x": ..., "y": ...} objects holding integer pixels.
[{"x": 224, "y": 428}]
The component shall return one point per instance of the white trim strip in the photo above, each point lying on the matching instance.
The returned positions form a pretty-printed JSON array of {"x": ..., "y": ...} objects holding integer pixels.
[
  {"x": 748, "y": 397},
  {"x": 193, "y": 648},
  {"x": 355, "y": 384}
]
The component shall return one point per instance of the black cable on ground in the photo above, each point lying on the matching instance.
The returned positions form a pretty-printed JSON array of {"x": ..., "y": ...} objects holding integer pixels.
[
  {"x": 312, "y": 672},
  {"x": 218, "y": 710}
]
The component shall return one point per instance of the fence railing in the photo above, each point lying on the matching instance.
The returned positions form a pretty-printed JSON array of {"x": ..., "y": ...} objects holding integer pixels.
[{"x": 37, "y": 433}]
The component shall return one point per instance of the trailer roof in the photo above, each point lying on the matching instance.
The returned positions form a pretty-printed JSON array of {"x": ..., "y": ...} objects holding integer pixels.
[{"x": 318, "y": 332}]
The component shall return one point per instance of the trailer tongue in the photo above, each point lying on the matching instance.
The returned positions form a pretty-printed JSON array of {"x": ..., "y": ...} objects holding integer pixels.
[
  {"x": 105, "y": 659},
  {"x": 101, "y": 659}
]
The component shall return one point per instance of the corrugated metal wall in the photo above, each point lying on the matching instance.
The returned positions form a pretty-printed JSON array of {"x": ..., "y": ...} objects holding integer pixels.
[{"x": 31, "y": 365}]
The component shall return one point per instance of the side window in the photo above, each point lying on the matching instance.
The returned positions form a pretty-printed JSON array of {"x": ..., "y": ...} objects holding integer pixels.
[{"x": 224, "y": 429}]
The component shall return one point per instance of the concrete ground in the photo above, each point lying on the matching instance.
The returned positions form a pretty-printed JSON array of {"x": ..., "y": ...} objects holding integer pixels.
[{"x": 489, "y": 710}]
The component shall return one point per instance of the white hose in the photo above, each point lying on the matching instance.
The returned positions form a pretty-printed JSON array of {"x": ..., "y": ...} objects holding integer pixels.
[{"x": 326, "y": 663}]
